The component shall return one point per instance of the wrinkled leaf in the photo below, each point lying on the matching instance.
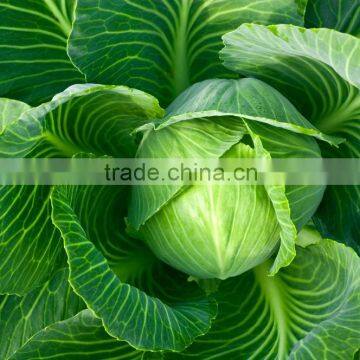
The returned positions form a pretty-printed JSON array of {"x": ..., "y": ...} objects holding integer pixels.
[
  {"x": 163, "y": 46},
  {"x": 84, "y": 118},
  {"x": 309, "y": 310},
  {"x": 10, "y": 110},
  {"x": 81, "y": 336},
  {"x": 341, "y": 15},
  {"x": 23, "y": 317},
  {"x": 33, "y": 57}
]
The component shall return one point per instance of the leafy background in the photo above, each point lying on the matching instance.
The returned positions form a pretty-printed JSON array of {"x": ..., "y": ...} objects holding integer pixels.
[{"x": 73, "y": 284}]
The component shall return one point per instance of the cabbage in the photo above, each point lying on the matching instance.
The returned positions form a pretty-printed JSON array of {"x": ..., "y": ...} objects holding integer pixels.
[
  {"x": 97, "y": 269},
  {"x": 204, "y": 234}
]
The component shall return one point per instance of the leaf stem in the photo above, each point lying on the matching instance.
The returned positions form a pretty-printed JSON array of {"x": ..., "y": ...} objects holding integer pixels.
[{"x": 181, "y": 65}]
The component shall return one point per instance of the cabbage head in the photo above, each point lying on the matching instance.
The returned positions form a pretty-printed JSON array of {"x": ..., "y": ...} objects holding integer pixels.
[{"x": 211, "y": 230}]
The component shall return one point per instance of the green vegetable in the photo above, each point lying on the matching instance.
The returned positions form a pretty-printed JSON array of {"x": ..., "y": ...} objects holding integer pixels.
[
  {"x": 202, "y": 234},
  {"x": 198, "y": 229},
  {"x": 179, "y": 270}
]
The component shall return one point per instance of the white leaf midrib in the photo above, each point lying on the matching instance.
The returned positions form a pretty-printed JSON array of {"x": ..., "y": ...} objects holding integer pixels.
[
  {"x": 271, "y": 287},
  {"x": 63, "y": 22}
]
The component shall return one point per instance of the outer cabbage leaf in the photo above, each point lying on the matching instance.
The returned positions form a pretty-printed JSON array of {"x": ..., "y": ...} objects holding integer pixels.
[
  {"x": 163, "y": 46},
  {"x": 10, "y": 110},
  {"x": 31, "y": 248},
  {"x": 309, "y": 310},
  {"x": 294, "y": 204},
  {"x": 81, "y": 336},
  {"x": 342, "y": 15},
  {"x": 97, "y": 118},
  {"x": 33, "y": 56},
  {"x": 90, "y": 118},
  {"x": 318, "y": 70},
  {"x": 168, "y": 316},
  {"x": 246, "y": 98},
  {"x": 22, "y": 317}
]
